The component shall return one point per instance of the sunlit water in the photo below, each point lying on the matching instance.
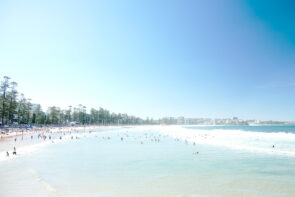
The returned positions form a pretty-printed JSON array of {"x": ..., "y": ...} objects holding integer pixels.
[{"x": 231, "y": 161}]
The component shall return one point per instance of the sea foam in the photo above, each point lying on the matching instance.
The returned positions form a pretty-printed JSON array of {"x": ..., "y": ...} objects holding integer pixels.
[
  {"x": 236, "y": 139},
  {"x": 33, "y": 148}
]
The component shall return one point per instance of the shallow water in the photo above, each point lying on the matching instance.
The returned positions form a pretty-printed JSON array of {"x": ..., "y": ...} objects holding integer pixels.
[{"x": 229, "y": 164}]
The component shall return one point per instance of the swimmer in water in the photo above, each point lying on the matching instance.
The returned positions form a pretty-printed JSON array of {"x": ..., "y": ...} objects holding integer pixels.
[{"x": 273, "y": 146}]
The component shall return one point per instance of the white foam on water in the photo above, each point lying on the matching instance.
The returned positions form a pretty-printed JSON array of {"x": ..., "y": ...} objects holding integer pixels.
[
  {"x": 236, "y": 139},
  {"x": 25, "y": 150},
  {"x": 33, "y": 148}
]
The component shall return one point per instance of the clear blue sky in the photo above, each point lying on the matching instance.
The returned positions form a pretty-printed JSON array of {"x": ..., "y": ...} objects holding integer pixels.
[{"x": 199, "y": 58}]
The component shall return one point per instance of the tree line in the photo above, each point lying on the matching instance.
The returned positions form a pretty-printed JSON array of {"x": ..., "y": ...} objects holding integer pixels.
[{"x": 16, "y": 109}]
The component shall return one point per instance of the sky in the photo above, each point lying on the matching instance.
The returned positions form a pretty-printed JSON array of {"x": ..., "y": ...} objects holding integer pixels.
[{"x": 198, "y": 58}]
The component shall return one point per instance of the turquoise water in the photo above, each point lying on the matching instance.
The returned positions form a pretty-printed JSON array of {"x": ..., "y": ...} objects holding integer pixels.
[{"x": 101, "y": 164}]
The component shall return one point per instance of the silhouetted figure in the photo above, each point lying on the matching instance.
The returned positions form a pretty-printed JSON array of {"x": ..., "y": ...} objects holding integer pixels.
[{"x": 14, "y": 151}]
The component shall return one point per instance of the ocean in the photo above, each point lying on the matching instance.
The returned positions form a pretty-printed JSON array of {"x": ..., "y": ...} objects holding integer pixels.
[{"x": 154, "y": 161}]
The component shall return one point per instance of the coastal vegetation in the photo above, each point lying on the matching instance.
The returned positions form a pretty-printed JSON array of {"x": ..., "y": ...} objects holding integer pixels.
[{"x": 16, "y": 109}]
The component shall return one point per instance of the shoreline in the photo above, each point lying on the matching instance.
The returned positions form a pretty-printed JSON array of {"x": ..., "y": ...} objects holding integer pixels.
[
  {"x": 14, "y": 132},
  {"x": 24, "y": 139},
  {"x": 50, "y": 129}
]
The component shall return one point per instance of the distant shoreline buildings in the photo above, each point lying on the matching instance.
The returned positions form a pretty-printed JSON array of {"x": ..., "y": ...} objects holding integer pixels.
[{"x": 219, "y": 121}]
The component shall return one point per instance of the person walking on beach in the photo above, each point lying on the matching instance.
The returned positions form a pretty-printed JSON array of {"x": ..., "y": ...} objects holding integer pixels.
[
  {"x": 14, "y": 151},
  {"x": 7, "y": 154}
]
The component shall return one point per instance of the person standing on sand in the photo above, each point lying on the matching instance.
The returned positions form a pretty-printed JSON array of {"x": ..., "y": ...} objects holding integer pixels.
[{"x": 14, "y": 151}]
